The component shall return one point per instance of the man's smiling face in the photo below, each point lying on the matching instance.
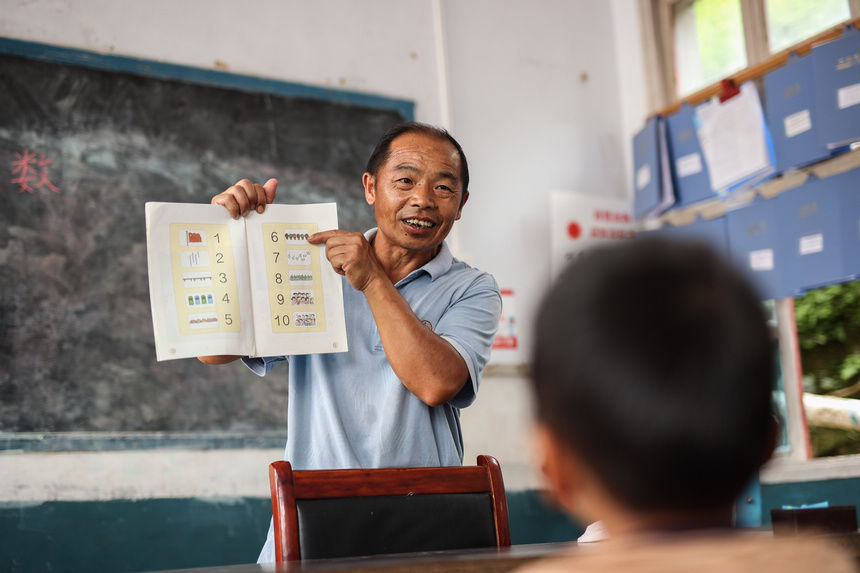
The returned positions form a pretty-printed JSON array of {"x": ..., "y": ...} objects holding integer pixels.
[{"x": 417, "y": 193}]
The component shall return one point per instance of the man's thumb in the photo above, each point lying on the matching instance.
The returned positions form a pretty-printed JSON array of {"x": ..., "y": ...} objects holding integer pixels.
[{"x": 270, "y": 187}]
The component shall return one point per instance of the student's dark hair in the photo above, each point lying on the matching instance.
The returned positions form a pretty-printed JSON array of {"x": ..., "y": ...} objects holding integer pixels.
[
  {"x": 383, "y": 147},
  {"x": 653, "y": 363}
]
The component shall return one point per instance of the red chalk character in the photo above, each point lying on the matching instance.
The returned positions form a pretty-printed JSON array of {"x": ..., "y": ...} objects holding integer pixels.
[{"x": 25, "y": 167}]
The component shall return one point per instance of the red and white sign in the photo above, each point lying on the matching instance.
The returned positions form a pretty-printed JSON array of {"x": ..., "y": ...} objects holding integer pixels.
[
  {"x": 506, "y": 336},
  {"x": 579, "y": 221}
]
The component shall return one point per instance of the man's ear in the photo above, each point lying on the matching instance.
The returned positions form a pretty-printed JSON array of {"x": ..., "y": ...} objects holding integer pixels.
[
  {"x": 369, "y": 182},
  {"x": 560, "y": 469},
  {"x": 462, "y": 202}
]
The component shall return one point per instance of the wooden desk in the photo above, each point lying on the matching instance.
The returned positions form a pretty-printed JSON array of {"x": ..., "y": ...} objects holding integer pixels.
[
  {"x": 467, "y": 561},
  {"x": 490, "y": 560}
]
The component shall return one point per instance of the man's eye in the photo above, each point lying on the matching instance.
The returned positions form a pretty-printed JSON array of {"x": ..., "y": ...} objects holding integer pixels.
[
  {"x": 405, "y": 180},
  {"x": 445, "y": 188}
]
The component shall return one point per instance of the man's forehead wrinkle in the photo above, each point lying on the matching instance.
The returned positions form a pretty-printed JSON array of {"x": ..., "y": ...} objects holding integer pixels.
[{"x": 449, "y": 166}]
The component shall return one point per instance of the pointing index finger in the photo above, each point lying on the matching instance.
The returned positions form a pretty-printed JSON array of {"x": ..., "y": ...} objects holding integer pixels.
[{"x": 323, "y": 236}]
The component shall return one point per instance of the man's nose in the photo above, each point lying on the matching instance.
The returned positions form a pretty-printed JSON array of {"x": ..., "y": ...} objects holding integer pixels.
[{"x": 423, "y": 196}]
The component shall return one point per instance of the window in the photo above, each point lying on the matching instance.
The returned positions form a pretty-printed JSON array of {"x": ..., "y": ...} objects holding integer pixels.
[
  {"x": 708, "y": 42},
  {"x": 702, "y": 41},
  {"x": 828, "y": 332},
  {"x": 792, "y": 21}
]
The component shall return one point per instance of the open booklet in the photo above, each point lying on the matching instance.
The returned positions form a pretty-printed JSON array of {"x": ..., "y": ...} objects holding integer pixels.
[{"x": 252, "y": 286}]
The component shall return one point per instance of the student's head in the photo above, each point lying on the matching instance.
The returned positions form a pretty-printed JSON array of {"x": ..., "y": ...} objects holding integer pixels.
[
  {"x": 416, "y": 181},
  {"x": 653, "y": 369}
]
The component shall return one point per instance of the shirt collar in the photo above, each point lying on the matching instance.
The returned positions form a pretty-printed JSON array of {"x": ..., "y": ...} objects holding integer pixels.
[{"x": 435, "y": 267}]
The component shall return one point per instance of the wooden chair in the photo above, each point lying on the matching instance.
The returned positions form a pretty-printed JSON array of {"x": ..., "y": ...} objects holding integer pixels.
[{"x": 349, "y": 513}]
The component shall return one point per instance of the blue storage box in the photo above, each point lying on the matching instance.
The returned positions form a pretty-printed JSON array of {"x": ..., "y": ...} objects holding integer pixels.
[
  {"x": 791, "y": 115},
  {"x": 754, "y": 243},
  {"x": 848, "y": 185},
  {"x": 689, "y": 168},
  {"x": 810, "y": 235},
  {"x": 710, "y": 231},
  {"x": 652, "y": 181},
  {"x": 836, "y": 73}
]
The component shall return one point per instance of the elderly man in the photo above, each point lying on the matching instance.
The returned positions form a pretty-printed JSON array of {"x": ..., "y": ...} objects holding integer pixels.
[{"x": 420, "y": 323}]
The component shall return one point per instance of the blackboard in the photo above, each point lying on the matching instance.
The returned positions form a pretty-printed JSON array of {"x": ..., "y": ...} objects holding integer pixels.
[{"x": 85, "y": 141}]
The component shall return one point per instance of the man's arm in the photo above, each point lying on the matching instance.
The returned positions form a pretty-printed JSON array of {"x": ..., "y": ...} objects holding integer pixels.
[
  {"x": 425, "y": 362},
  {"x": 240, "y": 199}
]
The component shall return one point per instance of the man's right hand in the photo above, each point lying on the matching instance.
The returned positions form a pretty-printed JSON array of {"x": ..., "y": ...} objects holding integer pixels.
[{"x": 241, "y": 198}]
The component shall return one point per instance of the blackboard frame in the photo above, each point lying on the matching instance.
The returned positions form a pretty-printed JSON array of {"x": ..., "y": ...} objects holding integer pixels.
[
  {"x": 121, "y": 440},
  {"x": 218, "y": 78}
]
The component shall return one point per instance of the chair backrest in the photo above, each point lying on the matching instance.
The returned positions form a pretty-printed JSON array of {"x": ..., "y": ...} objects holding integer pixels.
[{"x": 348, "y": 513}]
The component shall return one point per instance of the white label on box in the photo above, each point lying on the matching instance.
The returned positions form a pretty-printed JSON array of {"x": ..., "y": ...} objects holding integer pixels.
[
  {"x": 761, "y": 260},
  {"x": 797, "y": 123},
  {"x": 643, "y": 177},
  {"x": 688, "y": 165},
  {"x": 848, "y": 96},
  {"x": 811, "y": 244}
]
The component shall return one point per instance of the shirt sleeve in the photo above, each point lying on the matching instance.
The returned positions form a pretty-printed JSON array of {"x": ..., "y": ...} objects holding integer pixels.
[
  {"x": 470, "y": 325},
  {"x": 262, "y": 366}
]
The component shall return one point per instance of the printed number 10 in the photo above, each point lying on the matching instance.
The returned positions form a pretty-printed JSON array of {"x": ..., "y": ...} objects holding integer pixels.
[{"x": 282, "y": 320}]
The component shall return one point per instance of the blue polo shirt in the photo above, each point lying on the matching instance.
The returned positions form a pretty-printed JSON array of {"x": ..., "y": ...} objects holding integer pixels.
[{"x": 349, "y": 410}]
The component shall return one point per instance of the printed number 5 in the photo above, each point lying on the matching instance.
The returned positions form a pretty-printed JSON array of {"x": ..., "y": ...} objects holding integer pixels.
[{"x": 228, "y": 319}]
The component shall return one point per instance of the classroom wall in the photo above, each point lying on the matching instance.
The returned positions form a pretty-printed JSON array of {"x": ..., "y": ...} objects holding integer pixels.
[
  {"x": 541, "y": 93},
  {"x": 532, "y": 90}
]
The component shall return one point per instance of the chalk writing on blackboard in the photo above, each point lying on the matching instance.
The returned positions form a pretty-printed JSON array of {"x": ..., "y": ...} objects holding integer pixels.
[{"x": 32, "y": 172}]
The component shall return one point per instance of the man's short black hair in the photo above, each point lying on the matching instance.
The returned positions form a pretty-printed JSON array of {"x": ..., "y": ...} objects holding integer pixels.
[
  {"x": 653, "y": 363},
  {"x": 383, "y": 147}
]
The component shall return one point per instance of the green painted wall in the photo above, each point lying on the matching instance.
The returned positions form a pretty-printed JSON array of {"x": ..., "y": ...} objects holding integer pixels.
[
  {"x": 125, "y": 536},
  {"x": 835, "y": 492},
  {"x": 147, "y": 535}
]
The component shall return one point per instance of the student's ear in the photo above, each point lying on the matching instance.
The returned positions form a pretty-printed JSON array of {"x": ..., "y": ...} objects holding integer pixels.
[{"x": 559, "y": 468}]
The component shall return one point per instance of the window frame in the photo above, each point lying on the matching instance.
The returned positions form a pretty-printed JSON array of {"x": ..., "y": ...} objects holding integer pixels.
[{"x": 754, "y": 19}]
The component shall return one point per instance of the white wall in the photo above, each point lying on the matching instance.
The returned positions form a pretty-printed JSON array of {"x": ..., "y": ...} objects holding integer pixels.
[
  {"x": 385, "y": 47},
  {"x": 543, "y": 95}
]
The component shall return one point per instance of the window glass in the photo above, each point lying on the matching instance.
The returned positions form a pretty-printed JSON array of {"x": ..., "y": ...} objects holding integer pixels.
[
  {"x": 709, "y": 42},
  {"x": 828, "y": 333},
  {"x": 792, "y": 21}
]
